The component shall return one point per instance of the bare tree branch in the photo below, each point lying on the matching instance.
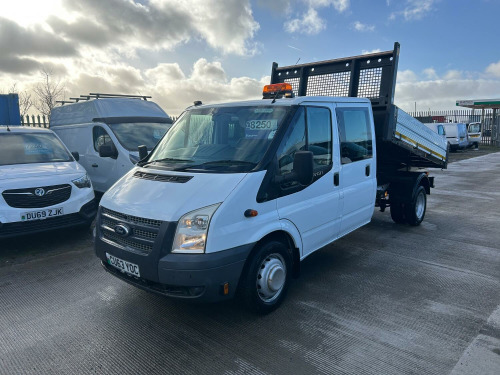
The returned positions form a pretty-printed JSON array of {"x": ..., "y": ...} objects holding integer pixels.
[
  {"x": 25, "y": 100},
  {"x": 47, "y": 92}
]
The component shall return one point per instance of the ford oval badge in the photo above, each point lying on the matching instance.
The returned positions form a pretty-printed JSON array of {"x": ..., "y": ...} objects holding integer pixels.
[{"x": 122, "y": 229}]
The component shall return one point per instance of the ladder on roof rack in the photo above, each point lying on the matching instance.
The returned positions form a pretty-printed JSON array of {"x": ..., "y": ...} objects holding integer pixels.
[{"x": 97, "y": 95}]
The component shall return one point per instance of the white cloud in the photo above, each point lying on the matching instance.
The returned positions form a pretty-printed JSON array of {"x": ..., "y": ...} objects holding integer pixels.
[
  {"x": 437, "y": 93},
  {"x": 310, "y": 24},
  {"x": 494, "y": 69},
  {"x": 339, "y": 5},
  {"x": 358, "y": 26},
  {"x": 415, "y": 10},
  {"x": 453, "y": 75},
  {"x": 406, "y": 76},
  {"x": 128, "y": 25},
  {"x": 430, "y": 73},
  {"x": 367, "y": 52}
]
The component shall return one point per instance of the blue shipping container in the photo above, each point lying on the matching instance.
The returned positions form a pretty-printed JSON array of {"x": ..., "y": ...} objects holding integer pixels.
[{"x": 9, "y": 109}]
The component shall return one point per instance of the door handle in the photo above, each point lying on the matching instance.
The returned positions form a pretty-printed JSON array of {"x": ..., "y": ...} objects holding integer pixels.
[
  {"x": 336, "y": 179},
  {"x": 95, "y": 165},
  {"x": 367, "y": 170}
]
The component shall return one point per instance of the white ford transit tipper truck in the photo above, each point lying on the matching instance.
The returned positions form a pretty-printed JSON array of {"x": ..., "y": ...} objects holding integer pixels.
[
  {"x": 106, "y": 132},
  {"x": 237, "y": 194},
  {"x": 42, "y": 187}
]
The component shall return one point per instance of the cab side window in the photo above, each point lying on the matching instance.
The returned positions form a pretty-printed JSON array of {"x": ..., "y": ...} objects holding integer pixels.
[
  {"x": 295, "y": 140},
  {"x": 100, "y": 137},
  {"x": 319, "y": 131},
  {"x": 355, "y": 134},
  {"x": 310, "y": 130}
]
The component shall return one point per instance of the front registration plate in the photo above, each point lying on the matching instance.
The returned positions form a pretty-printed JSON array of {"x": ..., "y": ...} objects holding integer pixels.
[
  {"x": 123, "y": 265},
  {"x": 42, "y": 214}
]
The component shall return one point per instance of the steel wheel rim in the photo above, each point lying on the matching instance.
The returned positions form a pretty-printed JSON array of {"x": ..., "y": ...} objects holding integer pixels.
[
  {"x": 420, "y": 206},
  {"x": 271, "y": 277}
]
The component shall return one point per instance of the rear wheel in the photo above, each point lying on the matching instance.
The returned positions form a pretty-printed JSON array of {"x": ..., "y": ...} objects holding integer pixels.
[
  {"x": 267, "y": 277},
  {"x": 397, "y": 213},
  {"x": 415, "y": 210}
]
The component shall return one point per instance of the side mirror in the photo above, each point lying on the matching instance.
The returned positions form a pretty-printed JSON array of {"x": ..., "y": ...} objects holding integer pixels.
[
  {"x": 108, "y": 150},
  {"x": 143, "y": 152},
  {"x": 303, "y": 167},
  {"x": 76, "y": 155}
]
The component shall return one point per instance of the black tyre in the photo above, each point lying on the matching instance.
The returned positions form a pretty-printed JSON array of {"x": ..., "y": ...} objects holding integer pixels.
[
  {"x": 398, "y": 213},
  {"x": 266, "y": 279},
  {"x": 415, "y": 211}
]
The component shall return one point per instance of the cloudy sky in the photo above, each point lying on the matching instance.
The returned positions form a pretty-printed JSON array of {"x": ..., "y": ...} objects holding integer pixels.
[{"x": 179, "y": 51}]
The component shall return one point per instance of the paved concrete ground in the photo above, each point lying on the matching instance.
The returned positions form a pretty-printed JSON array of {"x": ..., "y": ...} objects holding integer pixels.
[{"x": 386, "y": 299}]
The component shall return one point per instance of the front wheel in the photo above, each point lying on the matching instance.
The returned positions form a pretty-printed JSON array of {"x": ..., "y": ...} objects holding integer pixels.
[
  {"x": 415, "y": 211},
  {"x": 267, "y": 277}
]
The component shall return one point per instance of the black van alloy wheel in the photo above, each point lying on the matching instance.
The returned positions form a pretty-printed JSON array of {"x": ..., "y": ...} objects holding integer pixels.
[{"x": 265, "y": 282}]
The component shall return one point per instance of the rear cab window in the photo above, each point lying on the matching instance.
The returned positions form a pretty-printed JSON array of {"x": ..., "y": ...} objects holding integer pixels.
[{"x": 356, "y": 141}]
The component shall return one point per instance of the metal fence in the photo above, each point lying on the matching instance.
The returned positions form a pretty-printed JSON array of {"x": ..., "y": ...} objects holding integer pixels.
[
  {"x": 35, "y": 121},
  {"x": 42, "y": 121},
  {"x": 490, "y": 122}
]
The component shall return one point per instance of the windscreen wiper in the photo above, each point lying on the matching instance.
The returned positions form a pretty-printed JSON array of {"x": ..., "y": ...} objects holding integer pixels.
[
  {"x": 141, "y": 164},
  {"x": 217, "y": 162}
]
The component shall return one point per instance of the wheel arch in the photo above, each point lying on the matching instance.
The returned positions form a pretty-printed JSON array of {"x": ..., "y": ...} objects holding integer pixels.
[{"x": 288, "y": 240}]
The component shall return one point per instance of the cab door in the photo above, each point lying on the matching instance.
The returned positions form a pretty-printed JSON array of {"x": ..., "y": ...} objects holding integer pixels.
[
  {"x": 358, "y": 164},
  {"x": 313, "y": 209},
  {"x": 102, "y": 171}
]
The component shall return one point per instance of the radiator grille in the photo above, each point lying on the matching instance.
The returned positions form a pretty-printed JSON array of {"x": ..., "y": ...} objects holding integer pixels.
[
  {"x": 141, "y": 236},
  {"x": 37, "y": 197}
]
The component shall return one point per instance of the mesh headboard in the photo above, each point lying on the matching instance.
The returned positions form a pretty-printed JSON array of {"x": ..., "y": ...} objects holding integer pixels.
[{"x": 370, "y": 76}]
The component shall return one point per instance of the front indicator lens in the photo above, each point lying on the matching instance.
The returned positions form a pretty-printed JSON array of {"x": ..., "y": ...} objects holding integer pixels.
[{"x": 191, "y": 234}]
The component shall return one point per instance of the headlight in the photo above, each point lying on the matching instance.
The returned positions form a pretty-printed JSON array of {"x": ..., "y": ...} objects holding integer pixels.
[
  {"x": 82, "y": 182},
  {"x": 191, "y": 234}
]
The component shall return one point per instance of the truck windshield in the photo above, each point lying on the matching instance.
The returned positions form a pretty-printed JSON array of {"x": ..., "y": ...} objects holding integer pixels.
[
  {"x": 219, "y": 139},
  {"x": 133, "y": 134},
  {"x": 28, "y": 148}
]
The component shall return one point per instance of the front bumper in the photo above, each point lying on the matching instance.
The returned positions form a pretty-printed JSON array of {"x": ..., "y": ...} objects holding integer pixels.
[
  {"x": 195, "y": 277},
  {"x": 84, "y": 217},
  {"x": 198, "y": 277}
]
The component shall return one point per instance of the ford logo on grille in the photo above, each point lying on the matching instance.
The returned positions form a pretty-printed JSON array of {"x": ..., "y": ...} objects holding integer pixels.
[
  {"x": 39, "y": 192},
  {"x": 122, "y": 229}
]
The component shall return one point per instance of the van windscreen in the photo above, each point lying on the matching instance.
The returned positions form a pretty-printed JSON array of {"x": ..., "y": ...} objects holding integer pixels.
[
  {"x": 220, "y": 139},
  {"x": 134, "y": 134},
  {"x": 28, "y": 148}
]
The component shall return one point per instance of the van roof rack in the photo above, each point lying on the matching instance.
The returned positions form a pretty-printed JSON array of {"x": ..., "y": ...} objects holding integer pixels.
[{"x": 98, "y": 95}]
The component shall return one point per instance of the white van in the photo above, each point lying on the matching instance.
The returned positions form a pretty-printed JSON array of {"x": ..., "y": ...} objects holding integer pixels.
[
  {"x": 236, "y": 194},
  {"x": 456, "y": 134},
  {"x": 437, "y": 128},
  {"x": 42, "y": 187},
  {"x": 106, "y": 133},
  {"x": 474, "y": 132}
]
